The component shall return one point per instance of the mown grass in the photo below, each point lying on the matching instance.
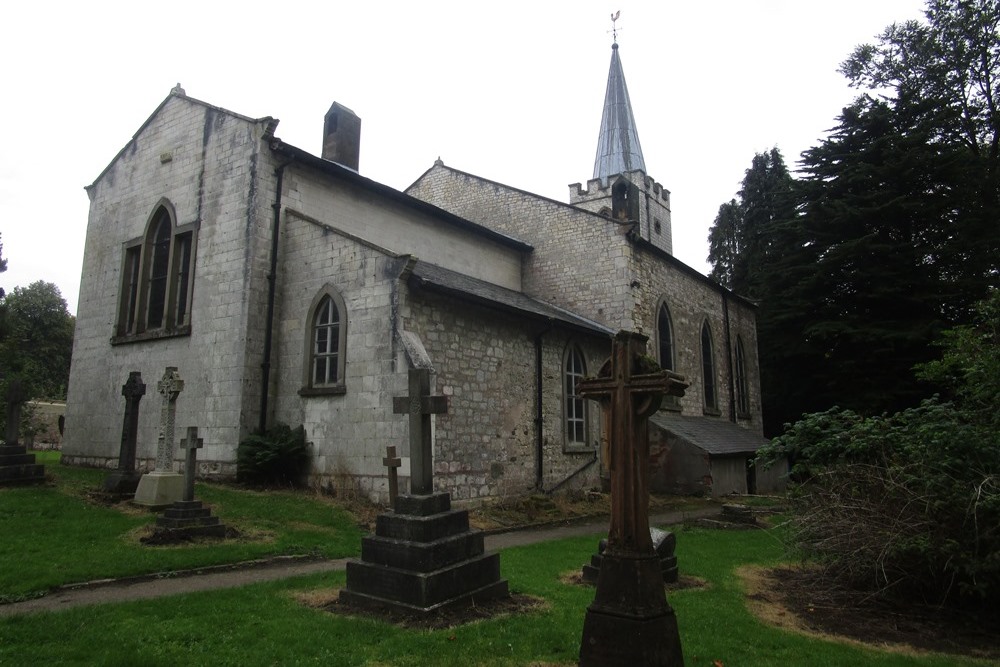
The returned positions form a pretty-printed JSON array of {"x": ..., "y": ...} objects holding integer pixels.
[
  {"x": 55, "y": 534},
  {"x": 265, "y": 624}
]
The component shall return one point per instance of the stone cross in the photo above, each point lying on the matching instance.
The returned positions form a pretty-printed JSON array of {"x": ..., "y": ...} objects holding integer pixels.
[
  {"x": 627, "y": 399},
  {"x": 630, "y": 621},
  {"x": 420, "y": 405},
  {"x": 15, "y": 399},
  {"x": 391, "y": 461},
  {"x": 169, "y": 386},
  {"x": 191, "y": 444},
  {"x": 133, "y": 390}
]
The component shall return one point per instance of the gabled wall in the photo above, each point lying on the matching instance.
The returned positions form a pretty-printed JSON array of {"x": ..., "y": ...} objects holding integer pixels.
[{"x": 208, "y": 164}]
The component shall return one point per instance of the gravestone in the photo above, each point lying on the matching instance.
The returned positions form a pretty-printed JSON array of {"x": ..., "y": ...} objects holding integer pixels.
[
  {"x": 664, "y": 545},
  {"x": 630, "y": 621},
  {"x": 17, "y": 466},
  {"x": 189, "y": 517},
  {"x": 125, "y": 478},
  {"x": 392, "y": 462},
  {"x": 163, "y": 486},
  {"x": 423, "y": 556}
]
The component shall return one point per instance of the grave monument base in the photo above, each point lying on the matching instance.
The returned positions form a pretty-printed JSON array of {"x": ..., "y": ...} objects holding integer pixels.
[
  {"x": 192, "y": 519},
  {"x": 122, "y": 482},
  {"x": 630, "y": 621},
  {"x": 423, "y": 558},
  {"x": 157, "y": 490},
  {"x": 17, "y": 466}
]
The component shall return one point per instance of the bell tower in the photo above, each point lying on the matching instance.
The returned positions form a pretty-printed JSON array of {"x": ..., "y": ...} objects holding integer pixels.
[{"x": 620, "y": 187}]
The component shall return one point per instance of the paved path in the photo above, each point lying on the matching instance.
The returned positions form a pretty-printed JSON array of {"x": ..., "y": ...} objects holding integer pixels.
[{"x": 242, "y": 574}]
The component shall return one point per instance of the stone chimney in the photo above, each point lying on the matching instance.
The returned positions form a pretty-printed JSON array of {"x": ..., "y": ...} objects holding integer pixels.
[{"x": 342, "y": 136}]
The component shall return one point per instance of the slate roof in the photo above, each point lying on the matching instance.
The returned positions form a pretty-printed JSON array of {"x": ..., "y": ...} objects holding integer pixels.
[
  {"x": 618, "y": 149},
  {"x": 445, "y": 281},
  {"x": 715, "y": 436}
]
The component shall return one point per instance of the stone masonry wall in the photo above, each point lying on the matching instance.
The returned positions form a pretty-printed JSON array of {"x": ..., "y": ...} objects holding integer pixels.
[
  {"x": 204, "y": 162},
  {"x": 581, "y": 260},
  {"x": 485, "y": 364}
]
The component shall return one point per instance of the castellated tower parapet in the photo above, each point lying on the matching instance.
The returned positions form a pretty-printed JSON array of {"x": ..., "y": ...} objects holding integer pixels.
[{"x": 630, "y": 197}]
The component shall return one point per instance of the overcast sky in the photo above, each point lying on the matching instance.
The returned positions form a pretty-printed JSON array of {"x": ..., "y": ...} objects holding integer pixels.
[{"x": 511, "y": 91}]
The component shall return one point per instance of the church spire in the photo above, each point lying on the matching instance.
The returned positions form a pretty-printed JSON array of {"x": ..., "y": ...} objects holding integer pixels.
[{"x": 618, "y": 148}]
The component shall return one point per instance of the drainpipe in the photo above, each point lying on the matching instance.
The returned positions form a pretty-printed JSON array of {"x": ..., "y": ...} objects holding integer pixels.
[
  {"x": 272, "y": 278},
  {"x": 729, "y": 359},
  {"x": 539, "y": 411}
]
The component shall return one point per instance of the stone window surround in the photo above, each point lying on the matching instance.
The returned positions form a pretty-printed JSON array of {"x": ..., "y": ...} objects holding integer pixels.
[
  {"x": 671, "y": 403},
  {"x": 568, "y": 419},
  {"x": 131, "y": 324},
  {"x": 742, "y": 386},
  {"x": 710, "y": 399},
  {"x": 309, "y": 388}
]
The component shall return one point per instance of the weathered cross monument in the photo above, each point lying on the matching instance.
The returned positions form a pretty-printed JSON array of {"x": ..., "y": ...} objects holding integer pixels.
[
  {"x": 188, "y": 516},
  {"x": 423, "y": 556},
  {"x": 17, "y": 466},
  {"x": 163, "y": 486},
  {"x": 630, "y": 621},
  {"x": 125, "y": 478}
]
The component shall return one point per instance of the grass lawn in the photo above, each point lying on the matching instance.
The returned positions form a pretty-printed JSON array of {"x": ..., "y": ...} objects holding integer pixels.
[
  {"x": 53, "y": 535},
  {"x": 264, "y": 624}
]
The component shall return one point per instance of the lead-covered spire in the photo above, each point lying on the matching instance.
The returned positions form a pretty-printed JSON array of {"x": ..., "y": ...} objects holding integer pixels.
[{"x": 618, "y": 148}]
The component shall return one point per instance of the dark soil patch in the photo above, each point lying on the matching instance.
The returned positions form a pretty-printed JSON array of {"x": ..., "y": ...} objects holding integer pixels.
[
  {"x": 820, "y": 606},
  {"x": 159, "y": 537},
  {"x": 443, "y": 618}
]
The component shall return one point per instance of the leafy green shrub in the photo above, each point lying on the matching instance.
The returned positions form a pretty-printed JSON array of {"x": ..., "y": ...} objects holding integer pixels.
[
  {"x": 279, "y": 456},
  {"x": 908, "y": 505}
]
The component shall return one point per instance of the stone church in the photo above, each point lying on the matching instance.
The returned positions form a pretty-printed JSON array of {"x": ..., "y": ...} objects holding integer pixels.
[{"x": 287, "y": 287}]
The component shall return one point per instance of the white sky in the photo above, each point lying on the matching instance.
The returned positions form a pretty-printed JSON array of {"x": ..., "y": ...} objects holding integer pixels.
[{"x": 511, "y": 91}]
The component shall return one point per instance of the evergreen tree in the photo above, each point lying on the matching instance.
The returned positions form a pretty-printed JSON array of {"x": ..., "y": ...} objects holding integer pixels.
[{"x": 38, "y": 339}]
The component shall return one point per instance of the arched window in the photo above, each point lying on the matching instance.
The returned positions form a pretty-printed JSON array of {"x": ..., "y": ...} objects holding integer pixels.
[
  {"x": 742, "y": 387},
  {"x": 156, "y": 285},
  {"x": 665, "y": 338},
  {"x": 326, "y": 343},
  {"x": 708, "y": 366},
  {"x": 575, "y": 407}
]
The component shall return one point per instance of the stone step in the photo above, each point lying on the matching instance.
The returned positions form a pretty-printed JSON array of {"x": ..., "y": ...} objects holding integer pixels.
[
  {"x": 421, "y": 556},
  {"x": 22, "y": 473},
  {"x": 194, "y": 513},
  {"x": 12, "y": 450},
  {"x": 435, "y": 503},
  {"x": 167, "y": 522},
  {"x": 423, "y": 589},
  {"x": 422, "y": 528},
  {"x": 493, "y": 591},
  {"x": 16, "y": 459}
]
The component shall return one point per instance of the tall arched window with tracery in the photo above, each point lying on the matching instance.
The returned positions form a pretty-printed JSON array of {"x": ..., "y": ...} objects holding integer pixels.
[
  {"x": 665, "y": 337},
  {"x": 156, "y": 279},
  {"x": 326, "y": 343},
  {"x": 742, "y": 385},
  {"x": 574, "y": 405},
  {"x": 708, "y": 367}
]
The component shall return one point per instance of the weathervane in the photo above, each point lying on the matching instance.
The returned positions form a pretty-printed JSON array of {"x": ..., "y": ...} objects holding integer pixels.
[{"x": 614, "y": 27}]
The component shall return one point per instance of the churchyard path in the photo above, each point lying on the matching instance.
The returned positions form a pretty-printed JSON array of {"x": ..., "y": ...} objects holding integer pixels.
[{"x": 242, "y": 574}]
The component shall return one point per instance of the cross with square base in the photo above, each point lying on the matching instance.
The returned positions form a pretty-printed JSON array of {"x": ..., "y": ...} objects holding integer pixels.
[
  {"x": 628, "y": 395},
  {"x": 420, "y": 405},
  {"x": 191, "y": 444},
  {"x": 630, "y": 621}
]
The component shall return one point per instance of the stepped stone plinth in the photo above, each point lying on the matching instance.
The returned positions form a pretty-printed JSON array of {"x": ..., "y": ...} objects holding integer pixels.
[
  {"x": 17, "y": 466},
  {"x": 192, "y": 519},
  {"x": 423, "y": 557}
]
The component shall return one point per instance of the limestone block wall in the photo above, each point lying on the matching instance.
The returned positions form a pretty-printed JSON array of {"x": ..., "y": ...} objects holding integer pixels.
[
  {"x": 403, "y": 230},
  {"x": 691, "y": 301},
  {"x": 486, "y": 446},
  {"x": 581, "y": 261},
  {"x": 349, "y": 431},
  {"x": 203, "y": 161}
]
